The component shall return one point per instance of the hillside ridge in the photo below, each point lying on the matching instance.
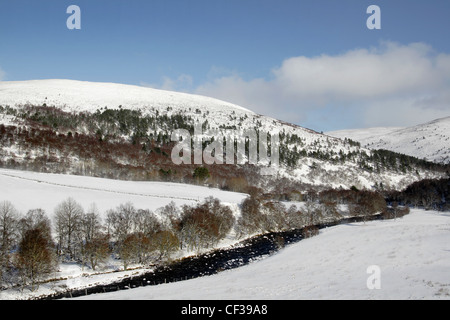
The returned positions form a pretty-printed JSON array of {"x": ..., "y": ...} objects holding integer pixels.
[
  {"x": 125, "y": 132},
  {"x": 430, "y": 140}
]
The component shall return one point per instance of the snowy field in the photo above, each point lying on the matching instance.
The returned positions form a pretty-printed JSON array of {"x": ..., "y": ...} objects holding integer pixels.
[
  {"x": 31, "y": 190},
  {"x": 28, "y": 190},
  {"x": 411, "y": 256}
]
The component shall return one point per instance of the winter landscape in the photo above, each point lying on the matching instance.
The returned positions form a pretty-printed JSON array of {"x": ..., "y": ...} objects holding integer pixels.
[
  {"x": 412, "y": 255},
  {"x": 327, "y": 178},
  {"x": 410, "y": 250}
]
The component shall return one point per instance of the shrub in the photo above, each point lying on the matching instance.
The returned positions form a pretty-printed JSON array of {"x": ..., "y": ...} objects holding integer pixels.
[
  {"x": 205, "y": 224},
  {"x": 252, "y": 220},
  {"x": 310, "y": 231},
  {"x": 201, "y": 174},
  {"x": 135, "y": 248}
]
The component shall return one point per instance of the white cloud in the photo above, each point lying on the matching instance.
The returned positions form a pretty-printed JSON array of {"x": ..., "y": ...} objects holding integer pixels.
[
  {"x": 182, "y": 83},
  {"x": 391, "y": 84},
  {"x": 400, "y": 112},
  {"x": 359, "y": 74},
  {"x": 257, "y": 94}
]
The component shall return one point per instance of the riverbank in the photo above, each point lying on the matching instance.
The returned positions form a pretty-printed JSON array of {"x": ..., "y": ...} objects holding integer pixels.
[
  {"x": 243, "y": 253},
  {"x": 412, "y": 254}
]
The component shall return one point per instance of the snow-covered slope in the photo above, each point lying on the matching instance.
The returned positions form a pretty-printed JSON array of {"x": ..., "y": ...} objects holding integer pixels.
[
  {"x": 78, "y": 96},
  {"x": 31, "y": 190},
  {"x": 411, "y": 254},
  {"x": 314, "y": 159},
  {"x": 74, "y": 95},
  {"x": 429, "y": 141},
  {"x": 362, "y": 135}
]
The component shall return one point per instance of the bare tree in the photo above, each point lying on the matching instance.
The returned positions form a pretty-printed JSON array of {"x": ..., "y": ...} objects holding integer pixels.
[
  {"x": 170, "y": 213},
  {"x": 135, "y": 248},
  {"x": 68, "y": 225},
  {"x": 35, "y": 219},
  {"x": 131, "y": 230},
  {"x": 8, "y": 233},
  {"x": 146, "y": 222},
  {"x": 313, "y": 214},
  {"x": 94, "y": 242},
  {"x": 35, "y": 257},
  {"x": 120, "y": 221},
  {"x": 96, "y": 250},
  {"x": 190, "y": 231},
  {"x": 294, "y": 218},
  {"x": 171, "y": 220},
  {"x": 221, "y": 215},
  {"x": 330, "y": 211},
  {"x": 252, "y": 219},
  {"x": 205, "y": 224},
  {"x": 276, "y": 216},
  {"x": 91, "y": 224},
  {"x": 166, "y": 242}
]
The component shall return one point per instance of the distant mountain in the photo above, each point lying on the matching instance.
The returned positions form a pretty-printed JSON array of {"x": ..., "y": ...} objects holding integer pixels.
[
  {"x": 124, "y": 132},
  {"x": 429, "y": 141}
]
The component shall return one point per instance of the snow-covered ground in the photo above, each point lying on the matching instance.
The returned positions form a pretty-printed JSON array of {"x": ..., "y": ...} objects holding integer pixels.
[
  {"x": 28, "y": 190},
  {"x": 412, "y": 253},
  {"x": 410, "y": 257},
  {"x": 74, "y": 95},
  {"x": 429, "y": 140}
]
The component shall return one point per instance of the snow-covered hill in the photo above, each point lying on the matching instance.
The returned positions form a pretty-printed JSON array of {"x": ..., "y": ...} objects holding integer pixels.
[
  {"x": 87, "y": 143},
  {"x": 89, "y": 96},
  {"x": 78, "y": 96},
  {"x": 429, "y": 141},
  {"x": 308, "y": 158},
  {"x": 411, "y": 254}
]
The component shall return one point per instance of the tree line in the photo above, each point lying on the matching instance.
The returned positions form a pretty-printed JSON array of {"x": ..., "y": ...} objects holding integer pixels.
[
  {"x": 32, "y": 246},
  {"x": 429, "y": 194},
  {"x": 131, "y": 145}
]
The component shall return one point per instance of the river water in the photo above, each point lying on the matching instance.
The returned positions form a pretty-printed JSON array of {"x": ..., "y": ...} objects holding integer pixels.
[{"x": 210, "y": 263}]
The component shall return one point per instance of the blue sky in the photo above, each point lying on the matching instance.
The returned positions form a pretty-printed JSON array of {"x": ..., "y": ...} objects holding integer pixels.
[{"x": 262, "y": 54}]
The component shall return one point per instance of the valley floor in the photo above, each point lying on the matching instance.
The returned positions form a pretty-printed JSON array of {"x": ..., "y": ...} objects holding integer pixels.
[{"x": 412, "y": 255}]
